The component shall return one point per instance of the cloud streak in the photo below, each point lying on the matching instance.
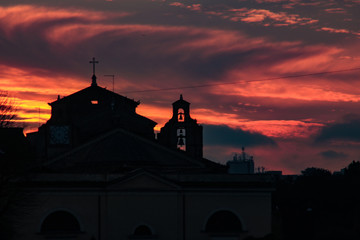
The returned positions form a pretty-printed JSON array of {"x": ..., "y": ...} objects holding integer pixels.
[{"x": 268, "y": 17}]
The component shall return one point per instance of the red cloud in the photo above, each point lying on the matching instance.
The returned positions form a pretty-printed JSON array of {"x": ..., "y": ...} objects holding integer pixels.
[
  {"x": 192, "y": 7},
  {"x": 277, "y": 19},
  {"x": 177, "y": 4},
  {"x": 334, "y": 30},
  {"x": 26, "y": 14}
]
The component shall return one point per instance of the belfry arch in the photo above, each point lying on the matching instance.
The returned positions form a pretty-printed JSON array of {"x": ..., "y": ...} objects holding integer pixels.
[{"x": 224, "y": 224}]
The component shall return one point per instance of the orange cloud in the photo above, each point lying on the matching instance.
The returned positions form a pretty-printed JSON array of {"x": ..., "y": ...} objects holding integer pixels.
[
  {"x": 159, "y": 114},
  {"x": 310, "y": 90},
  {"x": 334, "y": 30},
  {"x": 24, "y": 80},
  {"x": 32, "y": 92},
  {"x": 270, "y": 128},
  {"x": 268, "y": 17},
  {"x": 177, "y": 4}
]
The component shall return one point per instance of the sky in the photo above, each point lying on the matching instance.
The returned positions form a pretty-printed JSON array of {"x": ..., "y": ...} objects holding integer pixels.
[{"x": 250, "y": 69}]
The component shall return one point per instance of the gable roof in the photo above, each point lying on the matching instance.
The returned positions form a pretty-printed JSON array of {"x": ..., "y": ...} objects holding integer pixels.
[
  {"x": 141, "y": 179},
  {"x": 122, "y": 151},
  {"x": 95, "y": 91},
  {"x": 95, "y": 110}
]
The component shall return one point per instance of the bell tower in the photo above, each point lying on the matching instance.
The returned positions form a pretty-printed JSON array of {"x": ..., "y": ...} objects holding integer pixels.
[{"x": 181, "y": 131}]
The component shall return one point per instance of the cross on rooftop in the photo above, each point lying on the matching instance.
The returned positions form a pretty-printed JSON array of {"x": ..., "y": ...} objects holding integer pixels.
[
  {"x": 93, "y": 63},
  {"x": 93, "y": 76}
]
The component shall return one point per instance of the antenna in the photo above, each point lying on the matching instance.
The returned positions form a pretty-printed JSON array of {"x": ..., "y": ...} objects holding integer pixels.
[
  {"x": 39, "y": 116},
  {"x": 113, "y": 80}
]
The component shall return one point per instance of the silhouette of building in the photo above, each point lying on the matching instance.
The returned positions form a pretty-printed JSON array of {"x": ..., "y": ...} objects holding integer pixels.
[
  {"x": 105, "y": 176},
  {"x": 181, "y": 131},
  {"x": 241, "y": 164},
  {"x": 86, "y": 114}
]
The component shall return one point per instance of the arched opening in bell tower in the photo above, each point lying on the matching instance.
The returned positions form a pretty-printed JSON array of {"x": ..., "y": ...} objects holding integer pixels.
[
  {"x": 181, "y": 115},
  {"x": 181, "y": 139}
]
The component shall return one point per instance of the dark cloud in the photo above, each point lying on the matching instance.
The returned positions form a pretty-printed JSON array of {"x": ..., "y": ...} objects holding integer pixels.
[
  {"x": 348, "y": 130},
  {"x": 221, "y": 135},
  {"x": 331, "y": 154}
]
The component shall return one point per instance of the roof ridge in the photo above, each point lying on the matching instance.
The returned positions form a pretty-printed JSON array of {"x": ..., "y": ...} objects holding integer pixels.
[{"x": 95, "y": 87}]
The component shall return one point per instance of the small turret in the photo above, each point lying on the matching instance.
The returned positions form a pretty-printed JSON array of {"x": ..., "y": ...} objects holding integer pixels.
[{"x": 181, "y": 131}]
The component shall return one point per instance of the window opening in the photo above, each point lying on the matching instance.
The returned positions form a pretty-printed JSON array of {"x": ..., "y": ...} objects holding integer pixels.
[
  {"x": 181, "y": 115},
  {"x": 223, "y": 222},
  {"x": 181, "y": 139},
  {"x": 60, "y": 222},
  {"x": 142, "y": 230}
]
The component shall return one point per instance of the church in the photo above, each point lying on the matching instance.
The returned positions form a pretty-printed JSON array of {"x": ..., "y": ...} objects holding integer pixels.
[{"x": 106, "y": 175}]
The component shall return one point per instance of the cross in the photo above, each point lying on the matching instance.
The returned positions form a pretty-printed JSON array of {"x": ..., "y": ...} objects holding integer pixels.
[{"x": 93, "y": 62}]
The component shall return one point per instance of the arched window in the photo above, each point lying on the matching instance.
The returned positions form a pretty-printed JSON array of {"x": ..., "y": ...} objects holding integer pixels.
[
  {"x": 143, "y": 230},
  {"x": 181, "y": 115},
  {"x": 60, "y": 222},
  {"x": 181, "y": 139},
  {"x": 223, "y": 222}
]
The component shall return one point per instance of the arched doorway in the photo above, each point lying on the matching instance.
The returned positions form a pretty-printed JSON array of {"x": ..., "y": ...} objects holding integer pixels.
[
  {"x": 223, "y": 225},
  {"x": 60, "y": 222},
  {"x": 143, "y": 232}
]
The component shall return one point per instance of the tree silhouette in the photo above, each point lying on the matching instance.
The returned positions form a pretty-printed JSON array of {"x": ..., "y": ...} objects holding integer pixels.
[
  {"x": 7, "y": 110},
  {"x": 16, "y": 163},
  {"x": 316, "y": 172},
  {"x": 317, "y": 205},
  {"x": 353, "y": 169}
]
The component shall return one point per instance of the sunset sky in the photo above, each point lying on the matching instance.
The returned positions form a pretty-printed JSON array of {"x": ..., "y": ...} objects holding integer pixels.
[{"x": 231, "y": 59}]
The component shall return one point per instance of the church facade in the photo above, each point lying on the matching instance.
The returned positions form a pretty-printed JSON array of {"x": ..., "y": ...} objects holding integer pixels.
[{"x": 105, "y": 176}]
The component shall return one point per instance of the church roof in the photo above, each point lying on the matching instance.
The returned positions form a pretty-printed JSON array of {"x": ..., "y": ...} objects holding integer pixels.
[
  {"x": 94, "y": 110},
  {"x": 93, "y": 92},
  {"x": 122, "y": 151}
]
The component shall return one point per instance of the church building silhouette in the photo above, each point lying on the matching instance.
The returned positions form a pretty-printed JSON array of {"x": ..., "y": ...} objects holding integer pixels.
[{"x": 105, "y": 176}]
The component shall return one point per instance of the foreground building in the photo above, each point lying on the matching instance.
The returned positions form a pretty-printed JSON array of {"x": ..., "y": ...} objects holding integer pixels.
[{"x": 105, "y": 176}]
